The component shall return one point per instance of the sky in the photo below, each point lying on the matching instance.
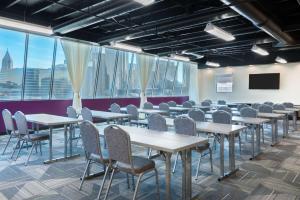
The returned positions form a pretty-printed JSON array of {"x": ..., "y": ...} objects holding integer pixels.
[{"x": 40, "y": 49}]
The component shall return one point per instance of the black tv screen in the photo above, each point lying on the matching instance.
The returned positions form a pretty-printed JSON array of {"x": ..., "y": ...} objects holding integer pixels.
[{"x": 264, "y": 81}]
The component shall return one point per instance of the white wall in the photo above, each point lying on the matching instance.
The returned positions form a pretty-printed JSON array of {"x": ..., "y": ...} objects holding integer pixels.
[{"x": 289, "y": 84}]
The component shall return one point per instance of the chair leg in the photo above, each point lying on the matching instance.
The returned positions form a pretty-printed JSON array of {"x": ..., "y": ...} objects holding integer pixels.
[
  {"x": 198, "y": 166},
  {"x": 133, "y": 183},
  {"x": 128, "y": 183},
  {"x": 109, "y": 184},
  {"x": 240, "y": 145},
  {"x": 19, "y": 150},
  {"x": 33, "y": 146},
  {"x": 211, "y": 161},
  {"x": 103, "y": 181},
  {"x": 149, "y": 153},
  {"x": 41, "y": 148},
  {"x": 137, "y": 186},
  {"x": 263, "y": 134},
  {"x": 84, "y": 173},
  {"x": 7, "y": 144},
  {"x": 15, "y": 148},
  {"x": 175, "y": 163},
  {"x": 157, "y": 183}
]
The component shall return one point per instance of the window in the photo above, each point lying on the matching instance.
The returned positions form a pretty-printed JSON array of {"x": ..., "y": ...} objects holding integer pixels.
[
  {"x": 134, "y": 81},
  {"x": 87, "y": 90},
  {"x": 39, "y": 67},
  {"x": 106, "y": 72},
  {"x": 152, "y": 76},
  {"x": 62, "y": 88},
  {"x": 170, "y": 75},
  {"x": 178, "y": 79},
  {"x": 186, "y": 79},
  {"x": 12, "y": 50},
  {"x": 160, "y": 77}
]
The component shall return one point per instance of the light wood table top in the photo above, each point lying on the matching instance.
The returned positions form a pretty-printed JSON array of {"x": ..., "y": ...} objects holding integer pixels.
[
  {"x": 146, "y": 111},
  {"x": 270, "y": 115},
  {"x": 175, "y": 109},
  {"x": 50, "y": 120},
  {"x": 108, "y": 115},
  {"x": 163, "y": 141},
  {"x": 288, "y": 112},
  {"x": 250, "y": 120}
]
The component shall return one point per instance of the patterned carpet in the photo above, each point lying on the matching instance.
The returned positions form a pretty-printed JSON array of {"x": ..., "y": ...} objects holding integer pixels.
[{"x": 272, "y": 175}]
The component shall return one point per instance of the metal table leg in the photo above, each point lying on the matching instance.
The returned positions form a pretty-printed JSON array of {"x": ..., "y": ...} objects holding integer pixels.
[
  {"x": 252, "y": 144},
  {"x": 295, "y": 121},
  {"x": 168, "y": 176},
  {"x": 186, "y": 174},
  {"x": 50, "y": 146},
  {"x": 66, "y": 141},
  {"x": 221, "y": 156},
  {"x": 257, "y": 139}
]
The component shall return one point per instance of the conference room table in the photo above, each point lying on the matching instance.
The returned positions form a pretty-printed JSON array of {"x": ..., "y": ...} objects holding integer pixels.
[
  {"x": 169, "y": 143},
  {"x": 222, "y": 130},
  {"x": 51, "y": 121},
  {"x": 108, "y": 116},
  {"x": 177, "y": 109},
  {"x": 145, "y": 111}
]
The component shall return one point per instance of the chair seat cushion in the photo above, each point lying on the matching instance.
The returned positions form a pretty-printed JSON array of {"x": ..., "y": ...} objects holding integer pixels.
[
  {"x": 202, "y": 147},
  {"x": 140, "y": 165},
  {"x": 97, "y": 158},
  {"x": 39, "y": 136}
]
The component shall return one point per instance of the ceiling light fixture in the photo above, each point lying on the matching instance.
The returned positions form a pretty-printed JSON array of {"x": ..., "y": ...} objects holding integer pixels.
[
  {"x": 259, "y": 50},
  {"x": 145, "y": 2},
  {"x": 177, "y": 57},
  {"x": 25, "y": 26},
  {"x": 212, "y": 64},
  {"x": 218, "y": 32},
  {"x": 198, "y": 56},
  {"x": 126, "y": 47},
  {"x": 280, "y": 60}
]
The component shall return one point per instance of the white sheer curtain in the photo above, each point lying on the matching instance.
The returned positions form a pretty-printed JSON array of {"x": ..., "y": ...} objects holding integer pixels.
[
  {"x": 194, "y": 84},
  {"x": 77, "y": 56},
  {"x": 146, "y": 63}
]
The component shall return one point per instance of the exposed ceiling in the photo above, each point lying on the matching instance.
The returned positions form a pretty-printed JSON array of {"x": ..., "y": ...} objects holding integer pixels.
[{"x": 172, "y": 26}]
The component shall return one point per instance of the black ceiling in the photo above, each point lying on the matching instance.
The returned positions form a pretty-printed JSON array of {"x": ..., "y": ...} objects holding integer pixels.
[{"x": 173, "y": 26}]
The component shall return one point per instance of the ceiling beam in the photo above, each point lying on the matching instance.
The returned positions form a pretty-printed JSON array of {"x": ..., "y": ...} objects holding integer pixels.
[
  {"x": 12, "y": 3},
  {"x": 44, "y": 6}
]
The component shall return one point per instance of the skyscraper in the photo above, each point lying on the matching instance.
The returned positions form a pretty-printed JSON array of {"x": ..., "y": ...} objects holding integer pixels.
[{"x": 7, "y": 62}]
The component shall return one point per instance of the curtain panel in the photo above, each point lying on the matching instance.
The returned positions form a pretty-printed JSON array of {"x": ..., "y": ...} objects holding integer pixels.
[{"x": 194, "y": 85}]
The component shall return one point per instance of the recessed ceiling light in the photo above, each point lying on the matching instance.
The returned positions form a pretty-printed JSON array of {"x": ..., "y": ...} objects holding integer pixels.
[
  {"x": 212, "y": 64},
  {"x": 145, "y": 2},
  {"x": 280, "y": 60},
  {"x": 259, "y": 50},
  {"x": 177, "y": 57},
  {"x": 218, "y": 32},
  {"x": 25, "y": 26},
  {"x": 126, "y": 47}
]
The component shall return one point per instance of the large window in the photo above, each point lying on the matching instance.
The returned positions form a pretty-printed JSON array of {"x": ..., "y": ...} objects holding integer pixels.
[
  {"x": 62, "y": 88},
  {"x": 158, "y": 85},
  {"x": 152, "y": 76},
  {"x": 186, "y": 79},
  {"x": 179, "y": 79},
  {"x": 134, "y": 82},
  {"x": 170, "y": 75},
  {"x": 38, "y": 67},
  {"x": 12, "y": 48}
]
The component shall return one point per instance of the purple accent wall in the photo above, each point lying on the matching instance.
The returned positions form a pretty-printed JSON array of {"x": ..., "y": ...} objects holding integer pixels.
[{"x": 158, "y": 100}]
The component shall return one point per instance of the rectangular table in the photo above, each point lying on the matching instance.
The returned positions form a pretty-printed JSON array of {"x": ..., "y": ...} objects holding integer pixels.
[
  {"x": 176, "y": 109},
  {"x": 51, "y": 121},
  {"x": 109, "y": 115},
  {"x": 228, "y": 130},
  {"x": 145, "y": 111},
  {"x": 169, "y": 143}
]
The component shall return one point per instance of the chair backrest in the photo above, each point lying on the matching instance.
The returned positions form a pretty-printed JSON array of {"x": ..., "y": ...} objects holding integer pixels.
[
  {"x": 197, "y": 115},
  {"x": 90, "y": 138},
  {"x": 185, "y": 125},
  {"x": 221, "y": 117},
  {"x": 8, "y": 121},
  {"x": 148, "y": 105},
  {"x": 225, "y": 108},
  {"x": 157, "y": 122},
  {"x": 164, "y": 106},
  {"x": 248, "y": 112},
  {"x": 255, "y": 106},
  {"x": 278, "y": 107},
  {"x": 221, "y": 102},
  {"x": 269, "y": 103},
  {"x": 240, "y": 106},
  {"x": 21, "y": 123},
  {"x": 133, "y": 111},
  {"x": 208, "y": 100},
  {"x": 264, "y": 108},
  {"x": 86, "y": 114},
  {"x": 187, "y": 104},
  {"x": 172, "y": 103},
  {"x": 115, "y": 108},
  {"x": 192, "y": 102},
  {"x": 205, "y": 103},
  {"x": 118, "y": 144},
  {"x": 288, "y": 104},
  {"x": 71, "y": 112}
]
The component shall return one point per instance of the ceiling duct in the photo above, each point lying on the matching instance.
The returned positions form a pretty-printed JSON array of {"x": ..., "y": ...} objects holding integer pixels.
[{"x": 259, "y": 19}]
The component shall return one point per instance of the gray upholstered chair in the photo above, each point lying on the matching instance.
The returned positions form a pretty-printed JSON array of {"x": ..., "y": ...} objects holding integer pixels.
[
  {"x": 288, "y": 104},
  {"x": 148, "y": 105},
  {"x": 240, "y": 106},
  {"x": 248, "y": 112},
  {"x": 269, "y": 103},
  {"x": 197, "y": 115},
  {"x": 205, "y": 103},
  {"x": 9, "y": 127},
  {"x": 164, "y": 107},
  {"x": 24, "y": 132},
  {"x": 172, "y": 103},
  {"x": 255, "y": 106},
  {"x": 115, "y": 108},
  {"x": 208, "y": 100},
  {"x": 225, "y": 108},
  {"x": 122, "y": 160},
  {"x": 264, "y": 108},
  {"x": 221, "y": 102},
  {"x": 187, "y": 126},
  {"x": 71, "y": 112},
  {"x": 278, "y": 107},
  {"x": 86, "y": 114},
  {"x": 187, "y": 104},
  {"x": 91, "y": 144},
  {"x": 192, "y": 102},
  {"x": 134, "y": 115}
]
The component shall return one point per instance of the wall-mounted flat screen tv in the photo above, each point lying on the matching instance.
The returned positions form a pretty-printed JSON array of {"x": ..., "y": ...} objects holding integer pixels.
[{"x": 264, "y": 81}]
